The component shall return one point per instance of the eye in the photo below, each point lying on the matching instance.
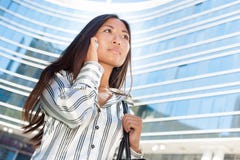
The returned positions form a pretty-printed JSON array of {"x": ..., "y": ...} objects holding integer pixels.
[
  {"x": 125, "y": 36},
  {"x": 107, "y": 30}
]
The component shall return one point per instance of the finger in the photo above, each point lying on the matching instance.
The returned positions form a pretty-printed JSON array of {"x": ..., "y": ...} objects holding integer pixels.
[
  {"x": 132, "y": 123},
  {"x": 94, "y": 42},
  {"x": 126, "y": 123},
  {"x": 134, "y": 126},
  {"x": 129, "y": 117},
  {"x": 92, "y": 50}
]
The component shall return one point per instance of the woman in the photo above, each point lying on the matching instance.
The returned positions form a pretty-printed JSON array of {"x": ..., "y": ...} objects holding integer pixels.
[{"x": 78, "y": 115}]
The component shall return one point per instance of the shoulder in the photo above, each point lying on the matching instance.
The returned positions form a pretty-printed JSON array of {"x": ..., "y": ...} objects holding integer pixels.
[
  {"x": 64, "y": 75},
  {"x": 62, "y": 78}
]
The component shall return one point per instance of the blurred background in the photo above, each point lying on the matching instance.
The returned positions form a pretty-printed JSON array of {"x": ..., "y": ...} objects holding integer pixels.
[{"x": 186, "y": 70}]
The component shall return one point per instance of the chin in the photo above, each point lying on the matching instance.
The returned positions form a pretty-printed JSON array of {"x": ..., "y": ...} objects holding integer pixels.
[
  {"x": 116, "y": 64},
  {"x": 119, "y": 65}
]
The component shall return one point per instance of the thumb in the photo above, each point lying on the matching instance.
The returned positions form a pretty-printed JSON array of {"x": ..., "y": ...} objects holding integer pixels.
[
  {"x": 92, "y": 50},
  {"x": 94, "y": 42}
]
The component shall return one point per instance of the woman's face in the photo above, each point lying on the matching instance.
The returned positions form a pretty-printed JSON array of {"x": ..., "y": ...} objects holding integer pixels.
[{"x": 113, "y": 40}]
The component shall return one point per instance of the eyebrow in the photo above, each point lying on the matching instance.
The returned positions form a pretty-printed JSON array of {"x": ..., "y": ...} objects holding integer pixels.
[{"x": 107, "y": 25}]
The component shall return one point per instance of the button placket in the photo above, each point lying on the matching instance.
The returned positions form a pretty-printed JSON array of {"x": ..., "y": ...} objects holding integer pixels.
[
  {"x": 92, "y": 146},
  {"x": 96, "y": 127}
]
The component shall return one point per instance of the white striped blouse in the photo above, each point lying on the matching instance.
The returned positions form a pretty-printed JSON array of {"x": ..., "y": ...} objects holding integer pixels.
[{"x": 75, "y": 127}]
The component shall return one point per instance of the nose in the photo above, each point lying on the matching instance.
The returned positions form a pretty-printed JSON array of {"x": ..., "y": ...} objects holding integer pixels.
[{"x": 116, "y": 40}]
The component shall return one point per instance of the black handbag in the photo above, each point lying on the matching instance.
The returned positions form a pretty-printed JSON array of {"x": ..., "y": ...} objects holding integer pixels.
[{"x": 125, "y": 140}]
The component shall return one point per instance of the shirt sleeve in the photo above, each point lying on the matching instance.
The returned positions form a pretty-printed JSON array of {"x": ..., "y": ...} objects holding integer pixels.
[
  {"x": 74, "y": 104},
  {"x": 135, "y": 155}
]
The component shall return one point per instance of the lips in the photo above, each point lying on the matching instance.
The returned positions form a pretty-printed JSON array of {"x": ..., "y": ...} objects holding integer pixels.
[{"x": 115, "y": 50}]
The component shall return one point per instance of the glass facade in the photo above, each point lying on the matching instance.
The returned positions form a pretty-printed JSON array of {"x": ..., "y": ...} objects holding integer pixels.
[{"x": 186, "y": 71}]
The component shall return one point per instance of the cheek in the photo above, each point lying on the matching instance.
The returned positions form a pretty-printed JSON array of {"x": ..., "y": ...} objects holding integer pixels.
[
  {"x": 101, "y": 48},
  {"x": 126, "y": 49},
  {"x": 125, "y": 46}
]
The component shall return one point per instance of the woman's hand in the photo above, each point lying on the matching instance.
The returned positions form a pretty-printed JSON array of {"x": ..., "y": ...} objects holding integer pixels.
[
  {"x": 92, "y": 50},
  {"x": 133, "y": 125}
]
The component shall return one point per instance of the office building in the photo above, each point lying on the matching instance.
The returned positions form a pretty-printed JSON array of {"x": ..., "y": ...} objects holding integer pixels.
[{"x": 186, "y": 70}]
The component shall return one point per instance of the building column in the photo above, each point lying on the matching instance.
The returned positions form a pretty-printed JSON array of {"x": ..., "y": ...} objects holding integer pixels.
[
  {"x": 207, "y": 155},
  {"x": 218, "y": 155}
]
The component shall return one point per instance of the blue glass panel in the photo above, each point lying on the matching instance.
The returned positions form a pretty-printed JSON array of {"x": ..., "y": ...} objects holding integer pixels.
[
  {"x": 189, "y": 106},
  {"x": 5, "y": 3},
  {"x": 23, "y": 157},
  {"x": 193, "y": 136},
  {"x": 206, "y": 123},
  {"x": 6, "y": 154}
]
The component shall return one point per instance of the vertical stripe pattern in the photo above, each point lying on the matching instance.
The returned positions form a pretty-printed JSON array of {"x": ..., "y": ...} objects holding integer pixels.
[{"x": 75, "y": 127}]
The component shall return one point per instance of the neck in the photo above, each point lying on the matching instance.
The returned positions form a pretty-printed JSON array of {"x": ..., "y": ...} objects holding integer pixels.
[{"x": 105, "y": 77}]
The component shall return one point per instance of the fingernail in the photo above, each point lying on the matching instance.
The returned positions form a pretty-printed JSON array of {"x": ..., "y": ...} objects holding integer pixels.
[{"x": 96, "y": 44}]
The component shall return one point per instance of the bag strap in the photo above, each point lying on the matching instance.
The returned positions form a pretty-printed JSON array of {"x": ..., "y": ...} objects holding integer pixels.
[
  {"x": 120, "y": 150},
  {"x": 125, "y": 140},
  {"x": 125, "y": 134},
  {"x": 125, "y": 107}
]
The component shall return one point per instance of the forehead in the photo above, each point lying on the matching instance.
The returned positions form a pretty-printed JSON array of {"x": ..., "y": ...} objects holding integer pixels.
[{"x": 116, "y": 24}]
